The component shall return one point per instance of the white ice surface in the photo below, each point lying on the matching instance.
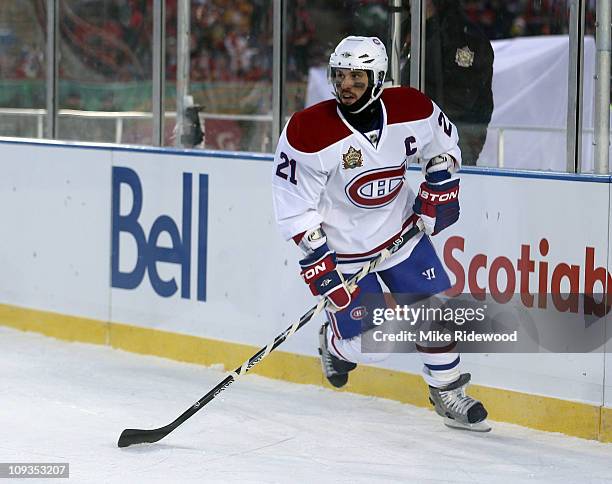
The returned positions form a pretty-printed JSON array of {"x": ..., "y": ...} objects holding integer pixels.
[{"x": 69, "y": 402}]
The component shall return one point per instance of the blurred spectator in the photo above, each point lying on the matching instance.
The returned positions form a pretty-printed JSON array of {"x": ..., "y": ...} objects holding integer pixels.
[
  {"x": 504, "y": 19},
  {"x": 301, "y": 35},
  {"x": 30, "y": 64},
  {"x": 224, "y": 40},
  {"x": 112, "y": 39},
  {"x": 239, "y": 53}
]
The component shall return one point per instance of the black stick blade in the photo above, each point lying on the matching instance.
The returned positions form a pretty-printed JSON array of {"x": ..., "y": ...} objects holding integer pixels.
[{"x": 136, "y": 436}]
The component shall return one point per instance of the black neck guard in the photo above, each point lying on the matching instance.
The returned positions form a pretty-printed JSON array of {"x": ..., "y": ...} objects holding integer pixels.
[{"x": 367, "y": 120}]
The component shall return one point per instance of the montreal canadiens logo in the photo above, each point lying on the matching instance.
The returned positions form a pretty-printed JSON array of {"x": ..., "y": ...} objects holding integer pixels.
[
  {"x": 376, "y": 188},
  {"x": 358, "y": 313}
]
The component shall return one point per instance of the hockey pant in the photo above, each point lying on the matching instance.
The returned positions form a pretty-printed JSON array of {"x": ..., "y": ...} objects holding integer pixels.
[{"x": 419, "y": 276}]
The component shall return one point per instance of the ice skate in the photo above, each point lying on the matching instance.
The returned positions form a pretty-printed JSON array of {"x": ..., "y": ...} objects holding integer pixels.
[
  {"x": 459, "y": 410},
  {"x": 335, "y": 369}
]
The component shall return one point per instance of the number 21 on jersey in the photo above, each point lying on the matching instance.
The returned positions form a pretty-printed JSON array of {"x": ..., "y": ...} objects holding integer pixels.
[{"x": 283, "y": 166}]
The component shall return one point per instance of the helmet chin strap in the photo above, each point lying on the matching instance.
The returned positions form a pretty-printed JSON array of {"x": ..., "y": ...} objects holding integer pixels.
[{"x": 358, "y": 106}]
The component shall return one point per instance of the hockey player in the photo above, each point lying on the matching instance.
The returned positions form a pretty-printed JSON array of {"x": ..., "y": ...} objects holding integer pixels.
[{"x": 340, "y": 193}]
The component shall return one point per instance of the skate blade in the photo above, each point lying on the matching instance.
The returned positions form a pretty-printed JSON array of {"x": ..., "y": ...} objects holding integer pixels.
[{"x": 475, "y": 427}]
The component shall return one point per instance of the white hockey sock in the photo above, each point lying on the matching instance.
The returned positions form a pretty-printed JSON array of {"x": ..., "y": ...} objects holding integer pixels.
[
  {"x": 441, "y": 369},
  {"x": 350, "y": 350}
]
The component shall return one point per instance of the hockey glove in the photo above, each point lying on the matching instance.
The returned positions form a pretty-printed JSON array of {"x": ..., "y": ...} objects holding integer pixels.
[
  {"x": 437, "y": 203},
  {"x": 320, "y": 273}
]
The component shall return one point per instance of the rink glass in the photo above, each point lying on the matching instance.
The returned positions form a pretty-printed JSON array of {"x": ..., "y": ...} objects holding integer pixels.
[
  {"x": 314, "y": 28},
  {"x": 230, "y": 72},
  {"x": 22, "y": 69},
  {"x": 105, "y": 67},
  {"x": 528, "y": 124},
  {"x": 105, "y": 70}
]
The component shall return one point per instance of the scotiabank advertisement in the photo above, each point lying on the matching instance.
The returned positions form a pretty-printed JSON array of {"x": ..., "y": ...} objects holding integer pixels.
[
  {"x": 528, "y": 242},
  {"x": 530, "y": 275},
  {"x": 528, "y": 236}
]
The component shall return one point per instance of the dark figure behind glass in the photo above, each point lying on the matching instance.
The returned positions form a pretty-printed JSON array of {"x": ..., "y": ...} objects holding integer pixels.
[{"x": 458, "y": 73}]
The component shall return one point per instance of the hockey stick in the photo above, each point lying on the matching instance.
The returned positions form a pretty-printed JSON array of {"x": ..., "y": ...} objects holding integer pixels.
[{"x": 137, "y": 436}]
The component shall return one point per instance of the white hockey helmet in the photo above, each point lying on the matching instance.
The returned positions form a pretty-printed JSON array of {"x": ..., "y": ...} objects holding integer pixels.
[{"x": 361, "y": 53}]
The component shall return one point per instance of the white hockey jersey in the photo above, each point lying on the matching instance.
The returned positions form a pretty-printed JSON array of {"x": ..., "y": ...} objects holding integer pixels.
[{"x": 327, "y": 173}]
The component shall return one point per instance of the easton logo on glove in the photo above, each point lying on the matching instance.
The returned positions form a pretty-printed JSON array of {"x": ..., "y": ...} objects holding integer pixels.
[
  {"x": 320, "y": 273},
  {"x": 438, "y": 197},
  {"x": 314, "y": 271},
  {"x": 437, "y": 205}
]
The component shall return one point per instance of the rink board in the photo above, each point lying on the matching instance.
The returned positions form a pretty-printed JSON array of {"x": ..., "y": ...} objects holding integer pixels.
[{"x": 176, "y": 253}]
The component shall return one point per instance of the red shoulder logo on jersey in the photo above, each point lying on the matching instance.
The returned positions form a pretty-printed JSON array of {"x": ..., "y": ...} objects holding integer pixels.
[{"x": 376, "y": 188}]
